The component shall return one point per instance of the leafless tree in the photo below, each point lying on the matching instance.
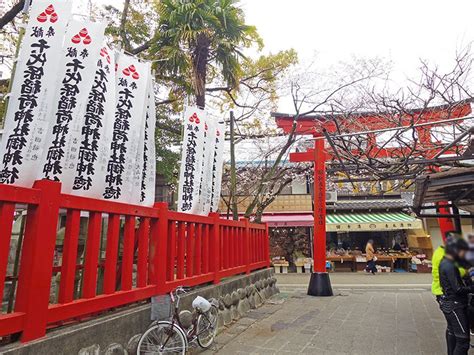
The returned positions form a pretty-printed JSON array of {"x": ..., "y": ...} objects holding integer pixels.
[
  {"x": 267, "y": 173},
  {"x": 399, "y": 152}
]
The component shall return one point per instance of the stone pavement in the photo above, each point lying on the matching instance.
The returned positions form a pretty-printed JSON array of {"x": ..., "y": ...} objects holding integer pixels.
[
  {"x": 369, "y": 321},
  {"x": 351, "y": 280}
]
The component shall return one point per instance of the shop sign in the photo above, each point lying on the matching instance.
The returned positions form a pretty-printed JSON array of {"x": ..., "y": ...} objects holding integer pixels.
[{"x": 361, "y": 227}]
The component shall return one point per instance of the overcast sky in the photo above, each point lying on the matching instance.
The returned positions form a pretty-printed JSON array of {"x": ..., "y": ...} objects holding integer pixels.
[{"x": 402, "y": 31}]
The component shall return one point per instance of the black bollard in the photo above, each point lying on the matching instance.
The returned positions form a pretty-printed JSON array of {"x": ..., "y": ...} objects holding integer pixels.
[{"x": 320, "y": 285}]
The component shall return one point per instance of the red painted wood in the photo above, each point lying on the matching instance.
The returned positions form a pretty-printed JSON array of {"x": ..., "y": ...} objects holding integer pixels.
[
  {"x": 252, "y": 245},
  {"x": 162, "y": 244},
  {"x": 153, "y": 252},
  {"x": 258, "y": 265},
  {"x": 11, "y": 323},
  {"x": 214, "y": 246},
  {"x": 89, "y": 286},
  {"x": 143, "y": 240},
  {"x": 128, "y": 249},
  {"x": 37, "y": 260},
  {"x": 197, "y": 249},
  {"x": 6, "y": 221},
  {"x": 228, "y": 247},
  {"x": 267, "y": 245},
  {"x": 83, "y": 307},
  {"x": 371, "y": 121},
  {"x": 94, "y": 205},
  {"x": 205, "y": 250},
  {"x": 190, "y": 250},
  {"x": 224, "y": 241},
  {"x": 186, "y": 217},
  {"x": 68, "y": 267},
  {"x": 246, "y": 245},
  {"x": 200, "y": 254},
  {"x": 171, "y": 251},
  {"x": 233, "y": 271},
  {"x": 111, "y": 254},
  {"x": 189, "y": 281},
  {"x": 319, "y": 245},
  {"x": 181, "y": 250},
  {"x": 235, "y": 247},
  {"x": 19, "y": 194},
  {"x": 256, "y": 245}
]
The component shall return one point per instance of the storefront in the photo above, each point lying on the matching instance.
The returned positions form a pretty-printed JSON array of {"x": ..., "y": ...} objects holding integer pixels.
[
  {"x": 351, "y": 231},
  {"x": 394, "y": 234}
]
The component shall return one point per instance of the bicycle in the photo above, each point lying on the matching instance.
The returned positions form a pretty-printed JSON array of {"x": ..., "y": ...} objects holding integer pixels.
[{"x": 173, "y": 337}]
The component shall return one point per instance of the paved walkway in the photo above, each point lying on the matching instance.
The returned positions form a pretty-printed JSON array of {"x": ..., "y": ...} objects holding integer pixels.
[
  {"x": 351, "y": 280},
  {"x": 373, "y": 320}
]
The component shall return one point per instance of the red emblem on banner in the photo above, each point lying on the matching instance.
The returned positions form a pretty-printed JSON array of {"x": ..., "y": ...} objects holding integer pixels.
[
  {"x": 104, "y": 53},
  {"x": 131, "y": 70},
  {"x": 83, "y": 36},
  {"x": 48, "y": 13},
  {"x": 194, "y": 118}
]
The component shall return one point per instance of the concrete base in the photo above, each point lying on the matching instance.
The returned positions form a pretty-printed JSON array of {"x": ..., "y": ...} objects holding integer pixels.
[
  {"x": 118, "y": 333},
  {"x": 320, "y": 285}
]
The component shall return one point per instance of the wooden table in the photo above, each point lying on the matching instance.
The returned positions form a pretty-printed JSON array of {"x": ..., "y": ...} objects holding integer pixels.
[
  {"x": 341, "y": 259},
  {"x": 390, "y": 259},
  {"x": 405, "y": 260}
]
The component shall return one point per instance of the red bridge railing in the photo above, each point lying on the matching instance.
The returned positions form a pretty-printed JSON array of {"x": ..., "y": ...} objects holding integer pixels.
[{"x": 128, "y": 254}]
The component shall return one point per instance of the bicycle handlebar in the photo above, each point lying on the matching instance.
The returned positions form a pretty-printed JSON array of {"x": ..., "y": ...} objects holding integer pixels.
[{"x": 176, "y": 294}]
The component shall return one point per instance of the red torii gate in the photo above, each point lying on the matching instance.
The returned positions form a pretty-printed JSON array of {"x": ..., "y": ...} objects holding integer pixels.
[{"x": 320, "y": 284}]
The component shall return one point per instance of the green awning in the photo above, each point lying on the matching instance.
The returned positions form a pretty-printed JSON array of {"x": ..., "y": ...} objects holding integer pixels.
[{"x": 376, "y": 221}]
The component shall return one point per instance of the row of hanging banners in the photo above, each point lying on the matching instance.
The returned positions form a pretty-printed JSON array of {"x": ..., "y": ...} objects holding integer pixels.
[
  {"x": 201, "y": 163},
  {"x": 83, "y": 114}
]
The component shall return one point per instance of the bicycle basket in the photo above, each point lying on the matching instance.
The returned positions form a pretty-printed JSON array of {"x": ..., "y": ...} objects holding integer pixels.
[{"x": 201, "y": 304}]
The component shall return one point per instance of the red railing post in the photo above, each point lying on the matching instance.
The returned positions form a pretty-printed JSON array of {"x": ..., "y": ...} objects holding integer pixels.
[
  {"x": 267, "y": 245},
  {"x": 161, "y": 257},
  {"x": 215, "y": 247},
  {"x": 37, "y": 260},
  {"x": 246, "y": 245}
]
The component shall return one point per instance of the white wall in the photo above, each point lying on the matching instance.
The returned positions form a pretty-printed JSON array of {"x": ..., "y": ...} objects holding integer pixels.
[{"x": 298, "y": 186}]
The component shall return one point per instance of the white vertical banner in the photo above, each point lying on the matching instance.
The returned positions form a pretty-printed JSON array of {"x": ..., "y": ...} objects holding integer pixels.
[
  {"x": 217, "y": 167},
  {"x": 95, "y": 137},
  {"x": 30, "y": 104},
  {"x": 208, "y": 158},
  {"x": 138, "y": 162},
  {"x": 148, "y": 173},
  {"x": 131, "y": 98},
  {"x": 191, "y": 160},
  {"x": 76, "y": 69}
]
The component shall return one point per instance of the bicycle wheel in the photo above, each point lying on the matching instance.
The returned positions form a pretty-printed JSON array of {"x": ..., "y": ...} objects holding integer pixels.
[
  {"x": 207, "y": 327},
  {"x": 162, "y": 338}
]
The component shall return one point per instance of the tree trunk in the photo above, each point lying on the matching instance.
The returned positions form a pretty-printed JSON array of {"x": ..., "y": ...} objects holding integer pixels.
[
  {"x": 233, "y": 176},
  {"x": 200, "y": 57}
]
